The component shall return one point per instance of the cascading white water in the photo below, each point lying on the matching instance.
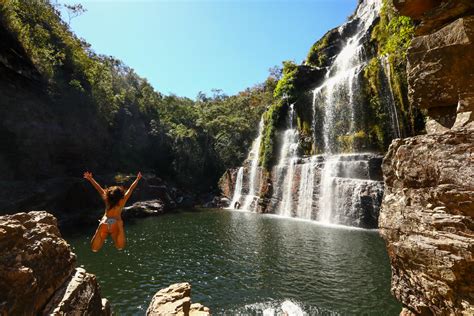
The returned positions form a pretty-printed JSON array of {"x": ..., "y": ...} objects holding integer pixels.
[
  {"x": 345, "y": 181},
  {"x": 250, "y": 199},
  {"x": 390, "y": 97},
  {"x": 331, "y": 188},
  {"x": 238, "y": 188},
  {"x": 336, "y": 95},
  {"x": 287, "y": 161},
  {"x": 306, "y": 190}
]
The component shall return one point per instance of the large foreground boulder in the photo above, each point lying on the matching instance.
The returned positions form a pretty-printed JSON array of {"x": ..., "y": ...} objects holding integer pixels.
[
  {"x": 38, "y": 273},
  {"x": 427, "y": 222},
  {"x": 175, "y": 300}
]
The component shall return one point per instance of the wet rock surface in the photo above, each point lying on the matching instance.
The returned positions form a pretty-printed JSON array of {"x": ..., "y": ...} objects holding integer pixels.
[
  {"x": 175, "y": 300},
  {"x": 144, "y": 209},
  {"x": 427, "y": 222},
  {"x": 37, "y": 270}
]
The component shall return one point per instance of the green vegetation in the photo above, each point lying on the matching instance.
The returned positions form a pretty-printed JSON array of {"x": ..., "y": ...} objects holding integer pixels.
[
  {"x": 292, "y": 88},
  {"x": 318, "y": 54},
  {"x": 191, "y": 141},
  {"x": 353, "y": 142},
  {"x": 392, "y": 35}
]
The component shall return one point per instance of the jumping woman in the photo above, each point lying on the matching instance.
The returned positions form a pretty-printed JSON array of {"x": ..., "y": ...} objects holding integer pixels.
[{"x": 111, "y": 223}]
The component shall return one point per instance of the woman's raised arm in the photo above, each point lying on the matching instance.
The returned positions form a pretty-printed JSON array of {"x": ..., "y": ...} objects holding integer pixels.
[
  {"x": 88, "y": 176},
  {"x": 133, "y": 186}
]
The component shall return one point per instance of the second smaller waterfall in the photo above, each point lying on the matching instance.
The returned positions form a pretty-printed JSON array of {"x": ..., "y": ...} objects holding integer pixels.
[
  {"x": 287, "y": 162},
  {"x": 238, "y": 188},
  {"x": 247, "y": 182},
  {"x": 252, "y": 197}
]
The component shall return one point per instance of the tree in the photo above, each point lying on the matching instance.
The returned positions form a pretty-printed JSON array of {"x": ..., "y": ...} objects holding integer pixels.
[{"x": 74, "y": 10}]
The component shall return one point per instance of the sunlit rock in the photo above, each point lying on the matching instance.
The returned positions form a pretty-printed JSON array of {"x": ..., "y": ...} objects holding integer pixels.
[
  {"x": 37, "y": 269},
  {"x": 175, "y": 300}
]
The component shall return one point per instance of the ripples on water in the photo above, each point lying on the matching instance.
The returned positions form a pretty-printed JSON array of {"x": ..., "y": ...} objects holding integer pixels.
[{"x": 244, "y": 263}]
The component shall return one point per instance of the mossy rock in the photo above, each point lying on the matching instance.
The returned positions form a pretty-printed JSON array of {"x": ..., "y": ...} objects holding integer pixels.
[{"x": 328, "y": 46}]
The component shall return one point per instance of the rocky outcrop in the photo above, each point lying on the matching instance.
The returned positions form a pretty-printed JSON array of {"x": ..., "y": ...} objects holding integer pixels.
[
  {"x": 37, "y": 270},
  {"x": 144, "y": 209},
  {"x": 79, "y": 295},
  {"x": 175, "y": 300},
  {"x": 428, "y": 206},
  {"x": 427, "y": 221},
  {"x": 440, "y": 73}
]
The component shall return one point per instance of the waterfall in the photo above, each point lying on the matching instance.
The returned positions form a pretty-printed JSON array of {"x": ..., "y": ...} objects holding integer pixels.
[
  {"x": 332, "y": 188},
  {"x": 327, "y": 198},
  {"x": 287, "y": 161},
  {"x": 238, "y": 188},
  {"x": 390, "y": 99},
  {"x": 336, "y": 95},
  {"x": 306, "y": 190},
  {"x": 251, "y": 198},
  {"x": 340, "y": 190},
  {"x": 347, "y": 187}
]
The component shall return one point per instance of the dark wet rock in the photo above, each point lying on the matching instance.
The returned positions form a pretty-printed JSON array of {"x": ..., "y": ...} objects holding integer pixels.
[
  {"x": 75, "y": 202},
  {"x": 216, "y": 201},
  {"x": 144, "y": 209},
  {"x": 175, "y": 300},
  {"x": 37, "y": 265}
]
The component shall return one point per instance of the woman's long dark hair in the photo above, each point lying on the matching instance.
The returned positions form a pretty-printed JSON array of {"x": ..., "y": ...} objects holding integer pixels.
[{"x": 114, "y": 195}]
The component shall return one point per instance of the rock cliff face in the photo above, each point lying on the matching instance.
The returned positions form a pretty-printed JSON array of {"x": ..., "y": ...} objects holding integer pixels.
[
  {"x": 427, "y": 221},
  {"x": 38, "y": 273},
  {"x": 428, "y": 206},
  {"x": 440, "y": 75}
]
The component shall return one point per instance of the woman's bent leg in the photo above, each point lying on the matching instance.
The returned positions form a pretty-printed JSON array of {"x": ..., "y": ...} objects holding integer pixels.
[
  {"x": 118, "y": 235},
  {"x": 99, "y": 237}
]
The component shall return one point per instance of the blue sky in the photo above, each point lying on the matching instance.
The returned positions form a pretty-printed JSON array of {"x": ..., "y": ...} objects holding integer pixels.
[{"x": 184, "y": 47}]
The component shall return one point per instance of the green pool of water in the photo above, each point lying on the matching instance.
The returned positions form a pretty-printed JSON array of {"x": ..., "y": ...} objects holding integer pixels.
[{"x": 241, "y": 262}]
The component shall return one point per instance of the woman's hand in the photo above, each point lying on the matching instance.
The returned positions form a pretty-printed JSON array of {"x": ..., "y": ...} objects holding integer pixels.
[
  {"x": 88, "y": 175},
  {"x": 139, "y": 175}
]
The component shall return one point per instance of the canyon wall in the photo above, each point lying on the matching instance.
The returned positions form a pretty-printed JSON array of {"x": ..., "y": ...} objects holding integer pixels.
[{"x": 428, "y": 206}]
